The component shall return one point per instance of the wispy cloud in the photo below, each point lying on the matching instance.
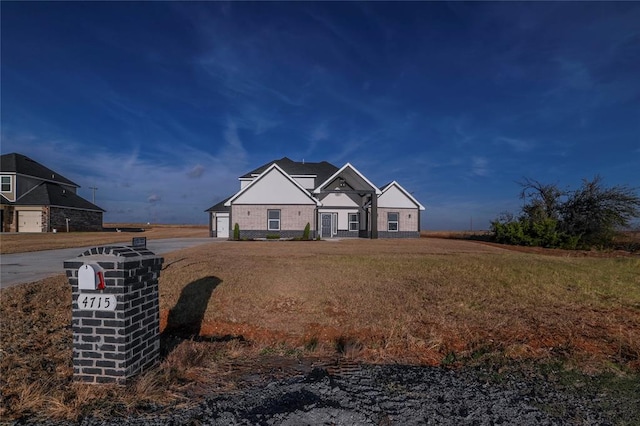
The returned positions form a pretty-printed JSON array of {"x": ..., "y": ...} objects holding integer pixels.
[
  {"x": 319, "y": 133},
  {"x": 233, "y": 151},
  {"x": 130, "y": 183},
  {"x": 517, "y": 144},
  {"x": 479, "y": 166},
  {"x": 196, "y": 172}
]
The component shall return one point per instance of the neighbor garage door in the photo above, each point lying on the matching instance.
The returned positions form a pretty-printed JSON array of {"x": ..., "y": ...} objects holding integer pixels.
[{"x": 29, "y": 221}]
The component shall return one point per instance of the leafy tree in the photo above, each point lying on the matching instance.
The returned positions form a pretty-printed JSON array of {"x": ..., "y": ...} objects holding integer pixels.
[{"x": 552, "y": 217}]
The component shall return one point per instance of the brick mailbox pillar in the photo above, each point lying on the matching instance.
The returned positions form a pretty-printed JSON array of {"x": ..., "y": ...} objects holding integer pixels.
[{"x": 116, "y": 313}]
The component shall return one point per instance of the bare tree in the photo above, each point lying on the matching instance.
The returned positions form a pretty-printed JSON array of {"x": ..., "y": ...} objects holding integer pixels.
[
  {"x": 544, "y": 200},
  {"x": 595, "y": 212}
]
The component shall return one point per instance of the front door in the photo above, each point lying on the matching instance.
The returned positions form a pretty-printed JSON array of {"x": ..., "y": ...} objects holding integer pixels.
[{"x": 326, "y": 221}]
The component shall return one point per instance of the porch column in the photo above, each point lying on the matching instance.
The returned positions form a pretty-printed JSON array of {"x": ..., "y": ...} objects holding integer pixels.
[{"x": 374, "y": 216}]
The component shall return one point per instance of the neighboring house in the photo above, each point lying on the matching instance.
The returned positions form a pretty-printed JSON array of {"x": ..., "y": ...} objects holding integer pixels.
[
  {"x": 279, "y": 199},
  {"x": 34, "y": 198}
]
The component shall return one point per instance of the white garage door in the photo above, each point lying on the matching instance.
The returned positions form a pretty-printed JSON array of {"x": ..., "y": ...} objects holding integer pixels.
[
  {"x": 222, "y": 225},
  {"x": 29, "y": 221}
]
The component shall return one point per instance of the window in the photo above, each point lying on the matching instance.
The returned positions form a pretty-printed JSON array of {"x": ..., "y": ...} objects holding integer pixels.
[
  {"x": 392, "y": 222},
  {"x": 5, "y": 183},
  {"x": 353, "y": 222},
  {"x": 273, "y": 220}
]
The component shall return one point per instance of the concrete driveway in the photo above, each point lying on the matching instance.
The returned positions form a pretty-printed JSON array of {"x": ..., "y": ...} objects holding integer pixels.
[{"x": 21, "y": 268}]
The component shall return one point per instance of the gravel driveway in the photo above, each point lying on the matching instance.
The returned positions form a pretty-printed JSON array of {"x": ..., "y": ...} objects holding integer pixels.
[{"x": 382, "y": 395}]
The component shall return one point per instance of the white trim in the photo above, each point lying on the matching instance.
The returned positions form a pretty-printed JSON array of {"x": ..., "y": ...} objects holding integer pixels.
[
  {"x": 57, "y": 182},
  {"x": 11, "y": 194},
  {"x": 357, "y": 221},
  {"x": 270, "y": 219},
  {"x": 10, "y": 183},
  {"x": 404, "y": 191},
  {"x": 263, "y": 174},
  {"x": 336, "y": 174},
  {"x": 397, "y": 222}
]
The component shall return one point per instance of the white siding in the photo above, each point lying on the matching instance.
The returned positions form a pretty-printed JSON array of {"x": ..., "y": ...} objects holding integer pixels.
[
  {"x": 273, "y": 188},
  {"x": 339, "y": 200},
  {"x": 244, "y": 182},
  {"x": 394, "y": 198},
  {"x": 306, "y": 182}
]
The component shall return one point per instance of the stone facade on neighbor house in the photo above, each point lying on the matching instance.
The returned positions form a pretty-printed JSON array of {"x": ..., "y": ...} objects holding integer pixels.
[
  {"x": 79, "y": 220},
  {"x": 279, "y": 198},
  {"x": 34, "y": 198}
]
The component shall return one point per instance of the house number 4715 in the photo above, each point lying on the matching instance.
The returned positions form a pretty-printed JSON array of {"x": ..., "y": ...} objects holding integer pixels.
[{"x": 97, "y": 302}]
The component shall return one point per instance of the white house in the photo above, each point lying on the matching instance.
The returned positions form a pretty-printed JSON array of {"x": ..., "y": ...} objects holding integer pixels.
[{"x": 281, "y": 197}]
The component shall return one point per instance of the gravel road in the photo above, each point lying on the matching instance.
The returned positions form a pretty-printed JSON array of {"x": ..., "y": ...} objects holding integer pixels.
[{"x": 381, "y": 395}]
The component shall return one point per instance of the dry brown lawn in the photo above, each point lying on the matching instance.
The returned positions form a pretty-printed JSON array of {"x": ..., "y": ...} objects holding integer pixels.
[
  {"x": 20, "y": 243},
  {"x": 414, "y": 300},
  {"x": 424, "y": 301}
]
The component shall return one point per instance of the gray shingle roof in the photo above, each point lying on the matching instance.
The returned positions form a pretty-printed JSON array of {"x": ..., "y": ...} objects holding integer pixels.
[
  {"x": 220, "y": 207},
  {"x": 51, "y": 194},
  {"x": 21, "y": 164},
  {"x": 383, "y": 187},
  {"x": 322, "y": 170}
]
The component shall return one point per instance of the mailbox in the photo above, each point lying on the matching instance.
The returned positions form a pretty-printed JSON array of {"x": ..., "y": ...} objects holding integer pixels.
[
  {"x": 116, "y": 329},
  {"x": 90, "y": 277}
]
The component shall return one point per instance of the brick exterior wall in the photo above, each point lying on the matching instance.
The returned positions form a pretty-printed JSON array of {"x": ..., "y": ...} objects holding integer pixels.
[
  {"x": 348, "y": 234},
  {"x": 79, "y": 220},
  {"x": 112, "y": 346},
  {"x": 399, "y": 234},
  {"x": 259, "y": 234},
  {"x": 407, "y": 226},
  {"x": 252, "y": 220}
]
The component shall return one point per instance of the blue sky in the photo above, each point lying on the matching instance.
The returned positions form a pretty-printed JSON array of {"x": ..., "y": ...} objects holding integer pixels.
[{"x": 162, "y": 105}]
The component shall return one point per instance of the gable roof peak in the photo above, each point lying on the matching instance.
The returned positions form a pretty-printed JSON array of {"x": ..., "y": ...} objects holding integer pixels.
[
  {"x": 270, "y": 168},
  {"x": 404, "y": 191},
  {"x": 341, "y": 170}
]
